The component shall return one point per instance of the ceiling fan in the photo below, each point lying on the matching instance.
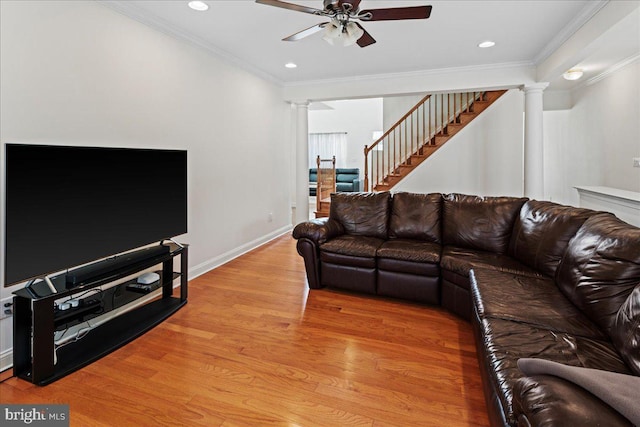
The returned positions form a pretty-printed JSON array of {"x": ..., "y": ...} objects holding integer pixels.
[{"x": 341, "y": 27}]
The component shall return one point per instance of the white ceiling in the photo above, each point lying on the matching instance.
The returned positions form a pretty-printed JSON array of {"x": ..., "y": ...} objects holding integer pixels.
[{"x": 526, "y": 32}]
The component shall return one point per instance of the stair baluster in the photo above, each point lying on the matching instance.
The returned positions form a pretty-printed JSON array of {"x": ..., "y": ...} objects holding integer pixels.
[{"x": 407, "y": 144}]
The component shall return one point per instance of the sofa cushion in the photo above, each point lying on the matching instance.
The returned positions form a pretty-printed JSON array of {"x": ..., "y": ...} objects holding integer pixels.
[
  {"x": 542, "y": 231},
  {"x": 344, "y": 186},
  {"x": 346, "y": 177},
  {"x": 461, "y": 261},
  {"x": 360, "y": 246},
  {"x": 625, "y": 332},
  {"x": 533, "y": 300},
  {"x": 502, "y": 342},
  {"x": 601, "y": 267},
  {"x": 427, "y": 269},
  {"x": 416, "y": 216},
  {"x": 476, "y": 222},
  {"x": 350, "y": 171},
  {"x": 348, "y": 261},
  {"x": 544, "y": 400},
  {"x": 410, "y": 250},
  {"x": 362, "y": 214}
]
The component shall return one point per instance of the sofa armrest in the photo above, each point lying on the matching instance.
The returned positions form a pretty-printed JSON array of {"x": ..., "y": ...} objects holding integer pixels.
[
  {"x": 310, "y": 235},
  {"x": 318, "y": 230}
]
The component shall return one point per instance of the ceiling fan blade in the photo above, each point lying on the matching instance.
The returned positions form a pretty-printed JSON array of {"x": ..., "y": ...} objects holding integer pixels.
[
  {"x": 354, "y": 3},
  {"x": 396, "y": 13},
  {"x": 290, "y": 6},
  {"x": 305, "y": 33},
  {"x": 366, "y": 38}
]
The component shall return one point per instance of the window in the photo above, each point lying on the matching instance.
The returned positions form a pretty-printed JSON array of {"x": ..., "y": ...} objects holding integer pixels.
[{"x": 327, "y": 145}]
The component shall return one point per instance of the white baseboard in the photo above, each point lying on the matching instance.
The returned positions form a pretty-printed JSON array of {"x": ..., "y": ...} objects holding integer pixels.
[
  {"x": 209, "y": 265},
  {"x": 6, "y": 359}
]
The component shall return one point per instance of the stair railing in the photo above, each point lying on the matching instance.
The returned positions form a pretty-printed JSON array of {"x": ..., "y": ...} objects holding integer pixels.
[{"x": 409, "y": 136}]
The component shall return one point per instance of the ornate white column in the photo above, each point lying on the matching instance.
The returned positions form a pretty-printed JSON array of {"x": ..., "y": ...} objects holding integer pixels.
[
  {"x": 302, "y": 162},
  {"x": 533, "y": 141}
]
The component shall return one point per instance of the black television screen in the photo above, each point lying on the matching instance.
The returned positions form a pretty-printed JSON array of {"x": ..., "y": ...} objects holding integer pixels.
[{"x": 68, "y": 206}]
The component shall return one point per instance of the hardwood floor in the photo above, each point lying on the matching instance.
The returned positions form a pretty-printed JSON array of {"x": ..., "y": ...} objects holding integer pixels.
[{"x": 255, "y": 347}]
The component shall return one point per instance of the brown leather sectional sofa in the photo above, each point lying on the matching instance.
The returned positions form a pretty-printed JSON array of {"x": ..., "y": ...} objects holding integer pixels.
[{"x": 536, "y": 280}]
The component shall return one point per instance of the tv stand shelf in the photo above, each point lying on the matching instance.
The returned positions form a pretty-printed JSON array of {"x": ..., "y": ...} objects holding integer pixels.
[{"x": 33, "y": 359}]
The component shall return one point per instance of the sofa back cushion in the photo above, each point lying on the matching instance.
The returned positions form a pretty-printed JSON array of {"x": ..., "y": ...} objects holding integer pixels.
[
  {"x": 476, "y": 222},
  {"x": 416, "y": 216},
  {"x": 601, "y": 267},
  {"x": 362, "y": 214},
  {"x": 625, "y": 332},
  {"x": 542, "y": 231},
  {"x": 346, "y": 177}
]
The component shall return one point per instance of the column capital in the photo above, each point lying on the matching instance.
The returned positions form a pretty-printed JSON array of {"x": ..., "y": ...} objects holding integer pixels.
[
  {"x": 299, "y": 104},
  {"x": 535, "y": 87}
]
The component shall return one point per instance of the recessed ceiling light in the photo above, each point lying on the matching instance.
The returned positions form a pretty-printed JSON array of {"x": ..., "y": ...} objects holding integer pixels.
[
  {"x": 290, "y": 65},
  {"x": 200, "y": 6},
  {"x": 573, "y": 74},
  {"x": 486, "y": 44}
]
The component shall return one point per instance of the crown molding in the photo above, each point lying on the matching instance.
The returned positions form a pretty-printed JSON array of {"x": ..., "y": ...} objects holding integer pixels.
[
  {"x": 131, "y": 11},
  {"x": 412, "y": 74},
  {"x": 588, "y": 12},
  {"x": 611, "y": 70}
]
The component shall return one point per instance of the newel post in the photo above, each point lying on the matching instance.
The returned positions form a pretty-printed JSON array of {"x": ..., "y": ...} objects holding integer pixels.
[{"x": 366, "y": 169}]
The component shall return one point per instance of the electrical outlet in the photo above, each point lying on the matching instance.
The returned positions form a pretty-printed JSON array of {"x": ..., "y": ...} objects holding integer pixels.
[
  {"x": 636, "y": 162},
  {"x": 6, "y": 308}
]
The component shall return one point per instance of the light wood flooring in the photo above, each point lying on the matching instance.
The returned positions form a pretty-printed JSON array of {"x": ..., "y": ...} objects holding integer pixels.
[{"x": 255, "y": 347}]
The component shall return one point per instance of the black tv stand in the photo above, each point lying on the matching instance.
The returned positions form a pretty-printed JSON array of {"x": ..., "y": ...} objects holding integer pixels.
[{"x": 36, "y": 319}]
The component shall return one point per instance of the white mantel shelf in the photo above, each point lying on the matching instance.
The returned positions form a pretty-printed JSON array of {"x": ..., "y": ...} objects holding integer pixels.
[{"x": 624, "y": 204}]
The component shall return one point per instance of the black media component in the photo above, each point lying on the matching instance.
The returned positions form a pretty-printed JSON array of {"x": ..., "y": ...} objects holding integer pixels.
[
  {"x": 140, "y": 288},
  {"x": 87, "y": 306},
  {"x": 99, "y": 269}
]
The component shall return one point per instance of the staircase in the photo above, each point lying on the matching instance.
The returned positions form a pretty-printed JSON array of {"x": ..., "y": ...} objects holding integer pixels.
[{"x": 416, "y": 136}]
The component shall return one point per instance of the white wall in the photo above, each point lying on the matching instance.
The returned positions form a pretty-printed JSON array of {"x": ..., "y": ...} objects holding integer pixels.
[
  {"x": 591, "y": 143},
  {"x": 594, "y": 142},
  {"x": 78, "y": 73},
  {"x": 395, "y": 107},
  {"x": 484, "y": 158},
  {"x": 359, "y": 118},
  {"x": 608, "y": 114}
]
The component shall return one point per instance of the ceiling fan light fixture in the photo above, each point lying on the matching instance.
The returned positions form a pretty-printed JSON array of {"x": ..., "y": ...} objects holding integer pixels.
[
  {"x": 332, "y": 32},
  {"x": 346, "y": 33},
  {"x": 200, "y": 6},
  {"x": 352, "y": 34},
  {"x": 573, "y": 74}
]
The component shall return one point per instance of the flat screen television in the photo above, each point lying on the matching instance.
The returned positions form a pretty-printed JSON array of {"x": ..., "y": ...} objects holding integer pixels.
[{"x": 68, "y": 206}]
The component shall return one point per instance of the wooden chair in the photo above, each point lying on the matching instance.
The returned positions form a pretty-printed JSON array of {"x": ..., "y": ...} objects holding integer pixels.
[{"x": 326, "y": 185}]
